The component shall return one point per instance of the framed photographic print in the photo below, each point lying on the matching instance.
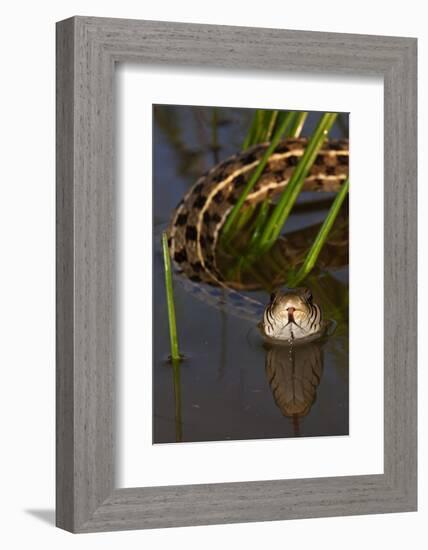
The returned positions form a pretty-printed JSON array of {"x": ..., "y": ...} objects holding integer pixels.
[
  {"x": 236, "y": 274},
  {"x": 230, "y": 336}
]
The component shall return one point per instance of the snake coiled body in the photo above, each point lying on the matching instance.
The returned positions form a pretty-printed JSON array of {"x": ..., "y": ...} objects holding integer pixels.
[{"x": 196, "y": 222}]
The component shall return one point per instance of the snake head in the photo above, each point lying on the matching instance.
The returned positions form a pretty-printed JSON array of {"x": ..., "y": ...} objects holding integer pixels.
[{"x": 291, "y": 314}]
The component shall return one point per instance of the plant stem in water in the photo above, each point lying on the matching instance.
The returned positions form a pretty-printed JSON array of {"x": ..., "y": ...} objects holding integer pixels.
[
  {"x": 321, "y": 238},
  {"x": 177, "y": 400},
  {"x": 175, "y": 354},
  {"x": 271, "y": 127},
  {"x": 299, "y": 120}
]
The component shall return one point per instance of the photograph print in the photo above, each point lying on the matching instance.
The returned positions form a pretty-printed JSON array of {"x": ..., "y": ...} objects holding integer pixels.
[{"x": 250, "y": 274}]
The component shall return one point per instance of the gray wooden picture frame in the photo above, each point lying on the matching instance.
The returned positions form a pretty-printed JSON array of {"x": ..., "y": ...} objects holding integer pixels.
[{"x": 87, "y": 51}]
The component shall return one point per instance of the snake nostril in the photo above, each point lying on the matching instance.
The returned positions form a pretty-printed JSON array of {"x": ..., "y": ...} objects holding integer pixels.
[{"x": 291, "y": 309}]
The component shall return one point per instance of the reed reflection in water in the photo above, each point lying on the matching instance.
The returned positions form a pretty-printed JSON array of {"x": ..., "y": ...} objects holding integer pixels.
[{"x": 293, "y": 374}]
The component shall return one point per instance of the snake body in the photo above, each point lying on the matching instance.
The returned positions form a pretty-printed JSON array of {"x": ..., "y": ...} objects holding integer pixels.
[{"x": 199, "y": 217}]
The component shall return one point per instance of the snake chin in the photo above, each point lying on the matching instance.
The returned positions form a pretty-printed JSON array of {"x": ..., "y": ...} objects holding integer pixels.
[{"x": 282, "y": 340}]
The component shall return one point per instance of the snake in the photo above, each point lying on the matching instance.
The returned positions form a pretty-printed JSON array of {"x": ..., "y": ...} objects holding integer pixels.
[{"x": 196, "y": 223}]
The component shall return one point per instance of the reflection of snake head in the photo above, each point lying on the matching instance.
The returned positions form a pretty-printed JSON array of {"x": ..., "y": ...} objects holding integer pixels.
[
  {"x": 291, "y": 315},
  {"x": 294, "y": 373}
]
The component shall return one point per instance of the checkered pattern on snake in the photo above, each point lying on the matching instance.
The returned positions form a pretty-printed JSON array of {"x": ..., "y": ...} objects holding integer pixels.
[{"x": 198, "y": 218}]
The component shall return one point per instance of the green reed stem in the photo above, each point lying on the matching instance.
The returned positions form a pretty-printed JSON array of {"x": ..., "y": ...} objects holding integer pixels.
[
  {"x": 286, "y": 120},
  {"x": 261, "y": 129},
  {"x": 259, "y": 222},
  {"x": 249, "y": 136},
  {"x": 288, "y": 198},
  {"x": 294, "y": 131},
  {"x": 176, "y": 367},
  {"x": 271, "y": 125},
  {"x": 244, "y": 217},
  {"x": 175, "y": 354},
  {"x": 262, "y": 126},
  {"x": 299, "y": 120},
  {"x": 321, "y": 238}
]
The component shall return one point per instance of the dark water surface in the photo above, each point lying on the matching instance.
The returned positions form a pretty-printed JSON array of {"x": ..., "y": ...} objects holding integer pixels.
[{"x": 230, "y": 386}]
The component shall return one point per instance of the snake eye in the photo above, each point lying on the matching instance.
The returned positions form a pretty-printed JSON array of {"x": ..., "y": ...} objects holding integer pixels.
[{"x": 308, "y": 294}]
